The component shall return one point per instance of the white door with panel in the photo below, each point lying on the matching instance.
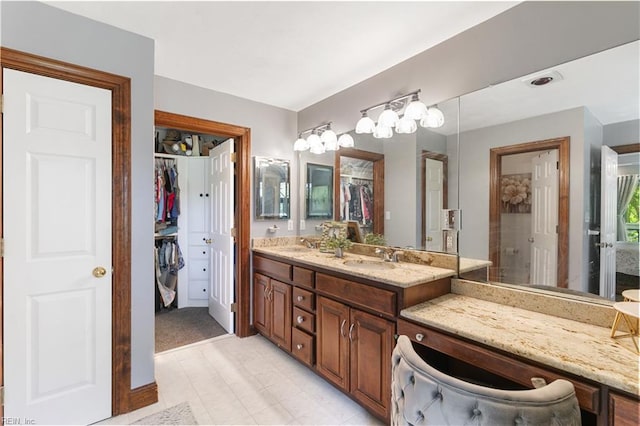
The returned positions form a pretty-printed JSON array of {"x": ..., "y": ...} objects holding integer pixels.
[
  {"x": 544, "y": 219},
  {"x": 221, "y": 290},
  {"x": 608, "y": 222},
  {"x": 434, "y": 203},
  {"x": 57, "y": 260}
]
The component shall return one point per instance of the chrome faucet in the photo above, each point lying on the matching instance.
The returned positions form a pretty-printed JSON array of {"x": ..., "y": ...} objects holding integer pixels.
[
  {"x": 309, "y": 244},
  {"x": 389, "y": 254}
]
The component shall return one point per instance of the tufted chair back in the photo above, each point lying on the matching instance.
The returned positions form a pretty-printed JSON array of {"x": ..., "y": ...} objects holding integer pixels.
[{"x": 422, "y": 395}]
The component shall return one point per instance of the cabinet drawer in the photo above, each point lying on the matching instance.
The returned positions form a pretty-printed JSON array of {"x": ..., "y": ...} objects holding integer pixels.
[
  {"x": 304, "y": 299},
  {"x": 197, "y": 290},
  {"x": 199, "y": 238},
  {"x": 357, "y": 294},
  {"x": 272, "y": 268},
  {"x": 198, "y": 269},
  {"x": 302, "y": 346},
  {"x": 304, "y": 320},
  {"x": 303, "y": 277},
  {"x": 623, "y": 411},
  {"x": 496, "y": 363},
  {"x": 198, "y": 252}
]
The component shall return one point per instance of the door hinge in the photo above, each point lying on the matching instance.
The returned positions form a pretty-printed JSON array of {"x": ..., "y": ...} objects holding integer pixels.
[
  {"x": 233, "y": 157},
  {"x": 234, "y": 307},
  {"x": 2, "y": 395},
  {"x": 2, "y": 247},
  {"x": 233, "y": 232},
  {"x": 1, "y": 104},
  {"x": 557, "y": 165},
  {"x": 557, "y": 229}
]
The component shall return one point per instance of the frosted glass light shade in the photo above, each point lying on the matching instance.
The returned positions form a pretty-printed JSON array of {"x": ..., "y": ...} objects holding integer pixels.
[
  {"x": 388, "y": 118},
  {"x": 365, "y": 125},
  {"x": 434, "y": 118},
  {"x": 317, "y": 149},
  {"x": 416, "y": 110},
  {"x": 301, "y": 145},
  {"x": 314, "y": 141},
  {"x": 346, "y": 141},
  {"x": 329, "y": 136},
  {"x": 406, "y": 125},
  {"x": 382, "y": 132},
  {"x": 331, "y": 145}
]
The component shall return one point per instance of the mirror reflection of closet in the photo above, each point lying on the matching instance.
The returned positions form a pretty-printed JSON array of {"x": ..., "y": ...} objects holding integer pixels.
[
  {"x": 272, "y": 188},
  {"x": 319, "y": 192},
  {"x": 360, "y": 189}
]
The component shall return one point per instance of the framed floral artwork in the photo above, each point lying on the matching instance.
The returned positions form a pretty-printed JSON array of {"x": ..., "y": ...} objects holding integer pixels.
[{"x": 515, "y": 193}]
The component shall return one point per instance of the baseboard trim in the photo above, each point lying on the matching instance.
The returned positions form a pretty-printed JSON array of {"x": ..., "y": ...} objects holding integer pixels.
[{"x": 143, "y": 396}]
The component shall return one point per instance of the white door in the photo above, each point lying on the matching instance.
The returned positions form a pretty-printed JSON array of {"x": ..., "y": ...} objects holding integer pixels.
[
  {"x": 608, "y": 218},
  {"x": 57, "y": 231},
  {"x": 434, "y": 200},
  {"x": 544, "y": 219},
  {"x": 221, "y": 289}
]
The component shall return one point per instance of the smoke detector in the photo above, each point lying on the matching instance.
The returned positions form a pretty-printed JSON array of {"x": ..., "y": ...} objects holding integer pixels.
[{"x": 543, "y": 79}]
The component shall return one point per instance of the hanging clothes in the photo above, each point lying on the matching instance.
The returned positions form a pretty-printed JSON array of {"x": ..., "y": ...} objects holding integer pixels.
[
  {"x": 167, "y": 194},
  {"x": 168, "y": 261}
]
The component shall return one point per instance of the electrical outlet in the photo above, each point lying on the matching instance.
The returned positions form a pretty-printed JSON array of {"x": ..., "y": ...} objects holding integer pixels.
[
  {"x": 290, "y": 225},
  {"x": 303, "y": 225},
  {"x": 387, "y": 215}
]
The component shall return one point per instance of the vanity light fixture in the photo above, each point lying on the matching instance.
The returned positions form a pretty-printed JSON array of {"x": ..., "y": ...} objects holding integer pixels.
[
  {"x": 321, "y": 139},
  {"x": 390, "y": 118}
]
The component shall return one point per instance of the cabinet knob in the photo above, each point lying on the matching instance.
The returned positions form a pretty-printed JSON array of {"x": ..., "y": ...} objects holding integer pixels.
[
  {"x": 300, "y": 298},
  {"x": 299, "y": 346},
  {"x": 201, "y": 195},
  {"x": 300, "y": 319},
  {"x": 419, "y": 337},
  {"x": 204, "y": 269},
  {"x": 206, "y": 195},
  {"x": 204, "y": 290}
]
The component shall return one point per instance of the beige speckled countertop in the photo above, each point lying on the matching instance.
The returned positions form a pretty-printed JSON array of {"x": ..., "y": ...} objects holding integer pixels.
[
  {"x": 401, "y": 274},
  {"x": 584, "y": 350}
]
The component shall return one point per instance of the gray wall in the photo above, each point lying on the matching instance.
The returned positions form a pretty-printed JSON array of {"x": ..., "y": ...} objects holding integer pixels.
[
  {"x": 43, "y": 30},
  {"x": 526, "y": 38},
  {"x": 273, "y": 131},
  {"x": 622, "y": 133}
]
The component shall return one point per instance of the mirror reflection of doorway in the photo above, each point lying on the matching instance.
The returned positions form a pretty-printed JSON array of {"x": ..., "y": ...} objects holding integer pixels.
[
  {"x": 434, "y": 190},
  {"x": 359, "y": 189},
  {"x": 529, "y": 213}
]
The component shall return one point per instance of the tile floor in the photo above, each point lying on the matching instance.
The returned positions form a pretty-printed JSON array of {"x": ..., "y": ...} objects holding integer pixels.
[{"x": 249, "y": 381}]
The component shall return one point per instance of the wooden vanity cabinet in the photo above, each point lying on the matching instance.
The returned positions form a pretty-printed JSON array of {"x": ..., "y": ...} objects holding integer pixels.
[
  {"x": 354, "y": 352},
  {"x": 272, "y": 309},
  {"x": 623, "y": 411}
]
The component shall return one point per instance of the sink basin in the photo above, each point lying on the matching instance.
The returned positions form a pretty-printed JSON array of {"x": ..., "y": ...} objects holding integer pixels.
[{"x": 370, "y": 265}]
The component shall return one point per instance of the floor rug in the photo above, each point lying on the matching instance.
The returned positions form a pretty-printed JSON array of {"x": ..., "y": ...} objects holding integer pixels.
[{"x": 180, "y": 414}]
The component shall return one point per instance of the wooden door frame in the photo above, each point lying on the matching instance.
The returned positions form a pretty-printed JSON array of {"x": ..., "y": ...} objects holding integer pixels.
[
  {"x": 242, "y": 139},
  {"x": 445, "y": 187},
  {"x": 378, "y": 184},
  {"x": 495, "y": 171},
  {"x": 120, "y": 88}
]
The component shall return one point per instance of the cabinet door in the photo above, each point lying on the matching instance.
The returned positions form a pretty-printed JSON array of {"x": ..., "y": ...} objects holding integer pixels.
[
  {"x": 371, "y": 344},
  {"x": 623, "y": 411},
  {"x": 332, "y": 345},
  {"x": 281, "y": 314},
  {"x": 198, "y": 196},
  {"x": 261, "y": 304}
]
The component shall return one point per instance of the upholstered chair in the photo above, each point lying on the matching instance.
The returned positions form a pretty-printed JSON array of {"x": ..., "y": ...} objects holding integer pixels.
[{"x": 422, "y": 395}]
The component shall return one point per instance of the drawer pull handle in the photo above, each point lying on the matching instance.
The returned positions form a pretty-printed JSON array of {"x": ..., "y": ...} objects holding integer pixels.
[
  {"x": 300, "y": 298},
  {"x": 419, "y": 337},
  {"x": 299, "y": 346},
  {"x": 342, "y": 328},
  {"x": 300, "y": 319},
  {"x": 351, "y": 331}
]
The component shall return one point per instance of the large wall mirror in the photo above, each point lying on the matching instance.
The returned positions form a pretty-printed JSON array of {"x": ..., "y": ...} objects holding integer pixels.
[
  {"x": 272, "y": 197},
  {"x": 319, "y": 191},
  {"x": 530, "y": 174}
]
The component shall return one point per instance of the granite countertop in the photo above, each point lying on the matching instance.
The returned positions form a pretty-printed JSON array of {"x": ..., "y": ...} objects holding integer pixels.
[
  {"x": 581, "y": 349},
  {"x": 468, "y": 265},
  {"x": 401, "y": 274}
]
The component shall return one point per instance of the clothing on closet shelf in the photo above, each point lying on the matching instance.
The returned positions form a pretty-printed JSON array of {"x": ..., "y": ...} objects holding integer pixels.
[
  {"x": 167, "y": 196},
  {"x": 356, "y": 201},
  {"x": 168, "y": 260}
]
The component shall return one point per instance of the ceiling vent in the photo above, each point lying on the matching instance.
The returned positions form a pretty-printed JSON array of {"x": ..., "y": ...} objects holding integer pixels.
[{"x": 543, "y": 79}]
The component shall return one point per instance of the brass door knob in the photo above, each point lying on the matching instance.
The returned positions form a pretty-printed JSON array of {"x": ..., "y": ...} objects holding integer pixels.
[{"x": 99, "y": 272}]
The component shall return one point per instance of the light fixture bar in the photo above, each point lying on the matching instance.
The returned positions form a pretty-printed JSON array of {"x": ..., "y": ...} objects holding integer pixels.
[
  {"x": 323, "y": 126},
  {"x": 391, "y": 101}
]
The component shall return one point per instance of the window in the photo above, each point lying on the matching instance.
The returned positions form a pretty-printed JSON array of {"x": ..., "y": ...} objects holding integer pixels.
[{"x": 631, "y": 216}]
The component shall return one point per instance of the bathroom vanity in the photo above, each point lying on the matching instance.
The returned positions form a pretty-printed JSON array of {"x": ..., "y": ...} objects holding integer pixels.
[{"x": 339, "y": 316}]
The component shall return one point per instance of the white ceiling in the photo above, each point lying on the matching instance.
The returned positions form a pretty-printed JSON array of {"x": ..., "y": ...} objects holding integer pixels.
[
  {"x": 606, "y": 83},
  {"x": 287, "y": 54}
]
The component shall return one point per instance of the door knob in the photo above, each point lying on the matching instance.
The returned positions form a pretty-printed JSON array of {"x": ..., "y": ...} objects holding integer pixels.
[
  {"x": 208, "y": 240},
  {"x": 429, "y": 239},
  {"x": 530, "y": 239},
  {"x": 99, "y": 272}
]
